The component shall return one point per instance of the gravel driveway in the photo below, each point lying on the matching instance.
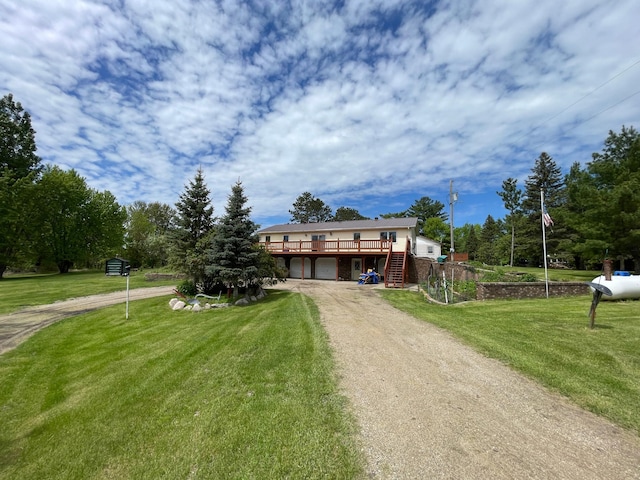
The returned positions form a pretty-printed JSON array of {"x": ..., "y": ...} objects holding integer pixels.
[
  {"x": 18, "y": 326},
  {"x": 429, "y": 407}
]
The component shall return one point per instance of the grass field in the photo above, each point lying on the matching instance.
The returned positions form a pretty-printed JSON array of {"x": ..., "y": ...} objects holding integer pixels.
[
  {"x": 550, "y": 341},
  {"x": 233, "y": 393},
  {"x": 556, "y": 274},
  {"x": 18, "y": 291}
]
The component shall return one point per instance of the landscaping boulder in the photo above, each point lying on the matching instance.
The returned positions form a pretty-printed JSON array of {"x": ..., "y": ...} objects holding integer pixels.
[{"x": 179, "y": 305}]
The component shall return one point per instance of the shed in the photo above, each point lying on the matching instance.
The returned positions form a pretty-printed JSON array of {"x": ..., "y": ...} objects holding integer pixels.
[{"x": 116, "y": 266}]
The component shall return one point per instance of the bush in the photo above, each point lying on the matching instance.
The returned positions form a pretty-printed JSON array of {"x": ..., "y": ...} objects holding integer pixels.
[
  {"x": 528, "y": 277},
  {"x": 188, "y": 288}
]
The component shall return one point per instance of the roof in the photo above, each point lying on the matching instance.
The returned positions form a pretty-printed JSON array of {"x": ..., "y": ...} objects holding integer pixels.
[{"x": 382, "y": 223}]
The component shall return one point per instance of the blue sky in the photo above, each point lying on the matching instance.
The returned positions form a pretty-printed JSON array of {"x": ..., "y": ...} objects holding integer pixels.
[{"x": 365, "y": 104}]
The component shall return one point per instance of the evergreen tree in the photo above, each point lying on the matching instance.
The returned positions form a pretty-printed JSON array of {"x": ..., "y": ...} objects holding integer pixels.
[
  {"x": 546, "y": 176},
  {"x": 511, "y": 196},
  {"x": 346, "y": 213},
  {"x": 488, "y": 251},
  {"x": 234, "y": 259},
  {"x": 603, "y": 202},
  {"x": 423, "y": 209},
  {"x": 19, "y": 169},
  {"x": 616, "y": 176},
  {"x": 309, "y": 209},
  {"x": 473, "y": 243},
  {"x": 194, "y": 226}
]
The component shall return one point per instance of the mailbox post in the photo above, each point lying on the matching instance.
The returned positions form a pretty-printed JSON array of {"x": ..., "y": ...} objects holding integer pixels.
[{"x": 121, "y": 268}]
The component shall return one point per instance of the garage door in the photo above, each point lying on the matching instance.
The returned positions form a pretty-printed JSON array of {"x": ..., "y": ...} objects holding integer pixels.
[
  {"x": 326, "y": 268},
  {"x": 296, "y": 268}
]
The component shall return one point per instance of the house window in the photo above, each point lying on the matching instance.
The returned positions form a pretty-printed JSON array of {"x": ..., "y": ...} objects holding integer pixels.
[
  {"x": 356, "y": 236},
  {"x": 267, "y": 238},
  {"x": 285, "y": 238},
  {"x": 430, "y": 249},
  {"x": 388, "y": 236}
]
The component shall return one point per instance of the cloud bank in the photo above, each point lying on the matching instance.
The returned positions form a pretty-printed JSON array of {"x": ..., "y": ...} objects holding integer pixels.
[{"x": 366, "y": 104}]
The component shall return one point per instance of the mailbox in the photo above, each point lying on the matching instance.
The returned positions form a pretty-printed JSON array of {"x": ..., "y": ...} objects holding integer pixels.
[
  {"x": 442, "y": 259},
  {"x": 117, "y": 266}
]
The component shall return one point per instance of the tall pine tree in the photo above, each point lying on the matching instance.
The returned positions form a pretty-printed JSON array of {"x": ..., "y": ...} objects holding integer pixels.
[
  {"x": 194, "y": 227},
  {"x": 547, "y": 176},
  {"x": 234, "y": 258},
  {"x": 511, "y": 196}
]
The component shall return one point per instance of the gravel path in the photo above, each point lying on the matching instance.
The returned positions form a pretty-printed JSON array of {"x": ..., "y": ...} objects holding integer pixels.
[
  {"x": 16, "y": 327},
  {"x": 430, "y": 407}
]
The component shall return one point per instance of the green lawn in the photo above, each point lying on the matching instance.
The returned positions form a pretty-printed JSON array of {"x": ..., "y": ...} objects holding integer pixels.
[
  {"x": 556, "y": 274},
  {"x": 18, "y": 291},
  {"x": 227, "y": 393},
  {"x": 550, "y": 341}
]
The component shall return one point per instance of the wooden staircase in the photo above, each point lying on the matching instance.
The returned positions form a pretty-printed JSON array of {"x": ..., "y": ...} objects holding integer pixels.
[{"x": 394, "y": 276}]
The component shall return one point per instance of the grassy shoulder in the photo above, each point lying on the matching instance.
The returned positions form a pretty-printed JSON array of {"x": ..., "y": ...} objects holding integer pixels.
[
  {"x": 550, "y": 341},
  {"x": 19, "y": 291},
  {"x": 234, "y": 393}
]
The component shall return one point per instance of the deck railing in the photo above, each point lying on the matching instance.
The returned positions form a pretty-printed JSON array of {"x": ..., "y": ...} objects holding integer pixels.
[{"x": 328, "y": 246}]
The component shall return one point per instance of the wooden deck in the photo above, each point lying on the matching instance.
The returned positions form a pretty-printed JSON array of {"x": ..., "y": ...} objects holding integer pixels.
[{"x": 327, "y": 247}]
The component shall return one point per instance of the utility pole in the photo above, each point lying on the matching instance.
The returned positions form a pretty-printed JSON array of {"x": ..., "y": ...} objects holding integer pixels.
[{"x": 453, "y": 197}]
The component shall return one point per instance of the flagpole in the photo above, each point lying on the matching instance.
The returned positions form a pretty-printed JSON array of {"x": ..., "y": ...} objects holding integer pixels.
[{"x": 544, "y": 243}]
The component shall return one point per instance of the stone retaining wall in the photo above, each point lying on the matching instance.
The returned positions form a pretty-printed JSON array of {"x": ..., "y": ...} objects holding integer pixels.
[
  {"x": 501, "y": 290},
  {"x": 419, "y": 271}
]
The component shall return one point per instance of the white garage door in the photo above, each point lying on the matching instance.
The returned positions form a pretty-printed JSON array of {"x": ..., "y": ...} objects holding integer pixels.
[
  {"x": 326, "y": 268},
  {"x": 296, "y": 268}
]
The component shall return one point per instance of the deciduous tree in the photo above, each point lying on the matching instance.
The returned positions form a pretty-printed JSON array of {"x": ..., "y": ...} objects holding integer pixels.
[
  {"x": 148, "y": 226},
  {"x": 19, "y": 169},
  {"x": 78, "y": 225}
]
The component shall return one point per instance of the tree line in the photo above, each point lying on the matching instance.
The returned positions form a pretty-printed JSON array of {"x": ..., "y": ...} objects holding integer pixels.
[
  {"x": 595, "y": 211},
  {"x": 50, "y": 218}
]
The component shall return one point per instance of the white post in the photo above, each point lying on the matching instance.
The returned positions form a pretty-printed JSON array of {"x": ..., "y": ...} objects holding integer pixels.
[
  {"x": 451, "y": 200},
  {"x": 126, "y": 315},
  {"x": 544, "y": 243}
]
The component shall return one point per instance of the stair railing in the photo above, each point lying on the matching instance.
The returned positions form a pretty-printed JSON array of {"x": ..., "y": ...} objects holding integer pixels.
[
  {"x": 387, "y": 265},
  {"x": 407, "y": 250}
]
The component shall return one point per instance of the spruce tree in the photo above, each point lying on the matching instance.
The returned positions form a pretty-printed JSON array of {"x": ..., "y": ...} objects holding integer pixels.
[
  {"x": 546, "y": 176},
  {"x": 194, "y": 227},
  {"x": 234, "y": 258}
]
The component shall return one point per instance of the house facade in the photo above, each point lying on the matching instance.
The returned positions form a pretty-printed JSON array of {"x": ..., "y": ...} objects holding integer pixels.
[{"x": 345, "y": 250}]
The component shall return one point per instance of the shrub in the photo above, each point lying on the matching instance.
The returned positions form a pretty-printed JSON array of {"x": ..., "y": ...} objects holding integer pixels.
[
  {"x": 528, "y": 277},
  {"x": 187, "y": 287}
]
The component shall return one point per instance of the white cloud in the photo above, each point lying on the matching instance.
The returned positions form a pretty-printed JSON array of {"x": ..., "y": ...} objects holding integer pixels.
[{"x": 388, "y": 98}]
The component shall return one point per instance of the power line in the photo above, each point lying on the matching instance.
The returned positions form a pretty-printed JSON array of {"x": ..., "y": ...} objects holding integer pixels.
[
  {"x": 591, "y": 93},
  {"x": 580, "y": 100}
]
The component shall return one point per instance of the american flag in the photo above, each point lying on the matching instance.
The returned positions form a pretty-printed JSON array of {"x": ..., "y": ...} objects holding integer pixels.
[{"x": 548, "y": 221}]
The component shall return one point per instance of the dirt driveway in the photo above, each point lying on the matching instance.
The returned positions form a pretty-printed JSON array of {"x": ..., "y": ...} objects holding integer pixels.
[
  {"x": 18, "y": 326},
  {"x": 429, "y": 407}
]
